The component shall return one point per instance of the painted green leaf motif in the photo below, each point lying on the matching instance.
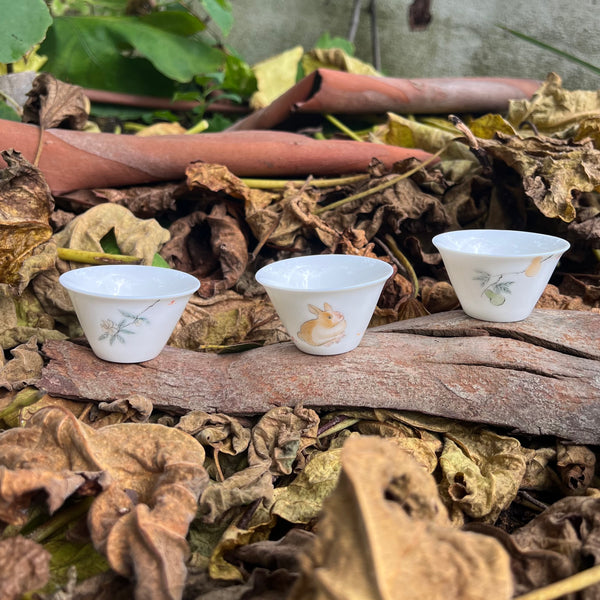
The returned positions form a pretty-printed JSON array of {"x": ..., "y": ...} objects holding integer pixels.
[
  {"x": 495, "y": 299},
  {"x": 23, "y": 24}
]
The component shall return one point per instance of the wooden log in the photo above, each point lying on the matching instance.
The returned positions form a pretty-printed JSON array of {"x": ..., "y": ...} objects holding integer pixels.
[{"x": 540, "y": 376}]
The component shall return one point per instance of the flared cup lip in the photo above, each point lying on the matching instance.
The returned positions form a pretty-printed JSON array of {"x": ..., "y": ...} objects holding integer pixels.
[
  {"x": 173, "y": 283},
  {"x": 487, "y": 243},
  {"x": 378, "y": 271}
]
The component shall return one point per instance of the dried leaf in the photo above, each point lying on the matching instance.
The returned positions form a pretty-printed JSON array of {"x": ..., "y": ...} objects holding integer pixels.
[
  {"x": 335, "y": 58},
  {"x": 553, "y": 170},
  {"x": 482, "y": 471},
  {"x": 274, "y": 76},
  {"x": 135, "y": 237},
  {"x": 210, "y": 246},
  {"x": 220, "y": 431},
  {"x": 280, "y": 436},
  {"x": 52, "y": 103},
  {"x": 558, "y": 543},
  {"x": 24, "y": 567},
  {"x": 302, "y": 500},
  {"x": 25, "y": 368},
  {"x": 576, "y": 467},
  {"x": 552, "y": 108},
  {"x": 25, "y": 208},
  {"x": 384, "y": 507},
  {"x": 140, "y": 520}
]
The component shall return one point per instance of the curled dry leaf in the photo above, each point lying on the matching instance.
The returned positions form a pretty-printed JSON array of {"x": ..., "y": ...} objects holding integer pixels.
[
  {"x": 136, "y": 237},
  {"x": 24, "y": 567},
  {"x": 210, "y": 246},
  {"x": 220, "y": 431},
  {"x": 52, "y": 103},
  {"x": 576, "y": 466},
  {"x": 141, "y": 519},
  {"x": 552, "y": 108},
  {"x": 386, "y": 506},
  {"x": 557, "y": 544},
  {"x": 482, "y": 471},
  {"x": 25, "y": 208}
]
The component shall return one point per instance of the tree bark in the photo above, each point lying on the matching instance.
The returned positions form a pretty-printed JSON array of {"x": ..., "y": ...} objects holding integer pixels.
[{"x": 540, "y": 376}]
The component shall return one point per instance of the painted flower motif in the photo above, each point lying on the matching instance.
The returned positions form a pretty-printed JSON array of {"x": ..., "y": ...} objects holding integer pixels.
[{"x": 113, "y": 332}]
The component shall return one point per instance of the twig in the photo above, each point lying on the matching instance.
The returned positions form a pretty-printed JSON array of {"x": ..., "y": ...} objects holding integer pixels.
[
  {"x": 574, "y": 583},
  {"x": 382, "y": 186},
  {"x": 473, "y": 142}
]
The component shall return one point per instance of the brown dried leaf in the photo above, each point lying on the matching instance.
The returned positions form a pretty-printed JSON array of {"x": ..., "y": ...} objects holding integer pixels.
[
  {"x": 384, "y": 507},
  {"x": 24, "y": 567},
  {"x": 139, "y": 521},
  {"x": 225, "y": 320},
  {"x": 557, "y": 544},
  {"x": 25, "y": 208},
  {"x": 52, "y": 103},
  {"x": 210, "y": 246},
  {"x": 219, "y": 431},
  {"x": 576, "y": 467},
  {"x": 24, "y": 368}
]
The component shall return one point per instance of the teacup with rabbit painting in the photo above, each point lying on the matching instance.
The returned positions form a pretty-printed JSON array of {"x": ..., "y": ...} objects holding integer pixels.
[{"x": 325, "y": 301}]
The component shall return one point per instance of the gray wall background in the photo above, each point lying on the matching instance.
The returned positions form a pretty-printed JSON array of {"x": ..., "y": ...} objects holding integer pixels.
[{"x": 463, "y": 38}]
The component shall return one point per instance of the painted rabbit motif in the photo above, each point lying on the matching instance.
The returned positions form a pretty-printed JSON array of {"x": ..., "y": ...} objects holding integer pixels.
[{"x": 327, "y": 328}]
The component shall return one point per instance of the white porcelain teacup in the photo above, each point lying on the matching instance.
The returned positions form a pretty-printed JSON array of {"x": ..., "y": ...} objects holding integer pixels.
[
  {"x": 128, "y": 312},
  {"x": 325, "y": 301},
  {"x": 499, "y": 275}
]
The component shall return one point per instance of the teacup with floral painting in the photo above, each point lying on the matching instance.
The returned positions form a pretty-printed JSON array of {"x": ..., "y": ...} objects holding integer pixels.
[
  {"x": 128, "y": 312},
  {"x": 499, "y": 275}
]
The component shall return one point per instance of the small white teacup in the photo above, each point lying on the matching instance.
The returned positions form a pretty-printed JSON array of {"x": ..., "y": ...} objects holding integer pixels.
[
  {"x": 128, "y": 312},
  {"x": 325, "y": 301},
  {"x": 499, "y": 275}
]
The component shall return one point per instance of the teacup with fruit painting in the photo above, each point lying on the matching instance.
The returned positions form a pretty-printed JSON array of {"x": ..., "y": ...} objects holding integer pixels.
[
  {"x": 325, "y": 301},
  {"x": 499, "y": 275}
]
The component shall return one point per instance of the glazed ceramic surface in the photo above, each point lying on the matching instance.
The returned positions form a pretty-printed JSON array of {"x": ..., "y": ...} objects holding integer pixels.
[
  {"x": 499, "y": 275},
  {"x": 325, "y": 301},
  {"x": 128, "y": 312}
]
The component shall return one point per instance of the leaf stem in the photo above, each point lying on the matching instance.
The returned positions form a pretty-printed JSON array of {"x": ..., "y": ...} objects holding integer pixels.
[
  {"x": 405, "y": 263},
  {"x": 571, "y": 584},
  {"x": 96, "y": 258},
  {"x": 343, "y": 128},
  {"x": 280, "y": 184},
  {"x": 382, "y": 186}
]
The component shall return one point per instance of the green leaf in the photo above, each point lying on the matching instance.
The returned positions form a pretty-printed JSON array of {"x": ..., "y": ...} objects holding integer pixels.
[
  {"x": 23, "y": 24},
  {"x": 91, "y": 56},
  {"x": 159, "y": 261},
  {"x": 557, "y": 51},
  {"x": 220, "y": 12},
  {"x": 326, "y": 41},
  {"x": 239, "y": 77},
  {"x": 6, "y": 112},
  {"x": 103, "y": 52},
  {"x": 174, "y": 21}
]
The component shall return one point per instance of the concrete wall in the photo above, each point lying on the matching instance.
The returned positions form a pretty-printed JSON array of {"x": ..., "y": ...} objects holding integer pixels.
[{"x": 463, "y": 38}]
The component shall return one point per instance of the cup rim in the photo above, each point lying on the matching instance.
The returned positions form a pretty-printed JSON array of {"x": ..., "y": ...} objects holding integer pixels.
[
  {"x": 70, "y": 282},
  {"x": 316, "y": 258},
  {"x": 440, "y": 242}
]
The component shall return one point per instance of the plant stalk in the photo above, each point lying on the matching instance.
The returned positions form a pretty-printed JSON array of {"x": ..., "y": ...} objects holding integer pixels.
[
  {"x": 96, "y": 258},
  {"x": 382, "y": 186},
  {"x": 569, "y": 585}
]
